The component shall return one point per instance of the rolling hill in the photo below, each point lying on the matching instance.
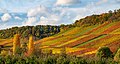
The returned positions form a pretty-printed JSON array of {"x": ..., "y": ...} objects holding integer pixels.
[
  {"x": 86, "y": 40},
  {"x": 84, "y": 36}
]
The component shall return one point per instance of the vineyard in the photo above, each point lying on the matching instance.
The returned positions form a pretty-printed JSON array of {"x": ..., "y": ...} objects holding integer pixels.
[
  {"x": 81, "y": 39},
  {"x": 89, "y": 39}
]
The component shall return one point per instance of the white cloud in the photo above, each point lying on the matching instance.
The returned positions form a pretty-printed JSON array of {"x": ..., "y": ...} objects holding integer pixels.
[
  {"x": 51, "y": 20},
  {"x": 67, "y": 2},
  {"x": 6, "y": 17},
  {"x": 17, "y": 18},
  {"x": 34, "y": 14},
  {"x": 36, "y": 11},
  {"x": 30, "y": 21},
  {"x": 43, "y": 21}
]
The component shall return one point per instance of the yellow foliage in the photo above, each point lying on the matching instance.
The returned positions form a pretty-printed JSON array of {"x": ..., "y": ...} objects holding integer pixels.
[
  {"x": 4, "y": 53},
  {"x": 68, "y": 50},
  {"x": 30, "y": 45},
  {"x": 16, "y": 43},
  {"x": 88, "y": 53}
]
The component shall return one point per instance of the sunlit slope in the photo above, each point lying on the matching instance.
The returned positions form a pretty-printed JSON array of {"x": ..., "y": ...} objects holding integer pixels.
[
  {"x": 75, "y": 34},
  {"x": 90, "y": 38},
  {"x": 66, "y": 36},
  {"x": 80, "y": 40}
]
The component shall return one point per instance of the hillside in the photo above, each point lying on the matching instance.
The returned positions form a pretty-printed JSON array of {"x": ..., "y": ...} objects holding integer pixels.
[
  {"x": 86, "y": 40},
  {"x": 83, "y": 37},
  {"x": 86, "y": 35}
]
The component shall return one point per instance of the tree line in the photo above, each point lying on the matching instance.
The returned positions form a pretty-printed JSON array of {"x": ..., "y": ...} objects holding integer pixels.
[
  {"x": 39, "y": 31},
  {"x": 111, "y": 16}
]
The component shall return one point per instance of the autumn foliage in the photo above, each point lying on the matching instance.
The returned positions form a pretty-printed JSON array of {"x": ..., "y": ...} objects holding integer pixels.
[
  {"x": 16, "y": 44},
  {"x": 30, "y": 45}
]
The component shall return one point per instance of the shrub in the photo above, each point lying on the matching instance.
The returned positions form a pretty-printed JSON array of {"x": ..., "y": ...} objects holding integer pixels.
[{"x": 104, "y": 52}]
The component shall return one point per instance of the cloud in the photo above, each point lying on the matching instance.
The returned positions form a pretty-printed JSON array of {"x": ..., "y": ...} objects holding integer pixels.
[
  {"x": 34, "y": 14},
  {"x": 30, "y": 21},
  {"x": 51, "y": 20},
  {"x": 36, "y": 11},
  {"x": 118, "y": 1},
  {"x": 101, "y": 2},
  {"x": 6, "y": 17},
  {"x": 67, "y": 2},
  {"x": 58, "y": 16},
  {"x": 17, "y": 18}
]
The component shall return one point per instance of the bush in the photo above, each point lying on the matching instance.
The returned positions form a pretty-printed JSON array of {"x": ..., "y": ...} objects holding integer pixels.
[
  {"x": 104, "y": 52},
  {"x": 53, "y": 59}
]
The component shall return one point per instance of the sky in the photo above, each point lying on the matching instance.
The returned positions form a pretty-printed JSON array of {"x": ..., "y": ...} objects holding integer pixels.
[{"x": 50, "y": 12}]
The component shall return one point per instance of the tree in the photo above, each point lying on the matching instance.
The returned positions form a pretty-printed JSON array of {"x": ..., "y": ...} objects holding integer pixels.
[
  {"x": 16, "y": 44},
  {"x": 30, "y": 46}
]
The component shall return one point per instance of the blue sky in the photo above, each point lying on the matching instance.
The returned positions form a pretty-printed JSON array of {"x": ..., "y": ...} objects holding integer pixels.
[{"x": 53, "y": 12}]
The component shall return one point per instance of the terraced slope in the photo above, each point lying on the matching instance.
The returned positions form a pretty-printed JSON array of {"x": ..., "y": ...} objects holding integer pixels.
[
  {"x": 80, "y": 40},
  {"x": 66, "y": 36},
  {"x": 90, "y": 38}
]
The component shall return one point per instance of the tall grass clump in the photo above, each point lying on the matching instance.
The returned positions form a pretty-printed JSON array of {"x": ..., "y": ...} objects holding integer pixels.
[{"x": 16, "y": 44}]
